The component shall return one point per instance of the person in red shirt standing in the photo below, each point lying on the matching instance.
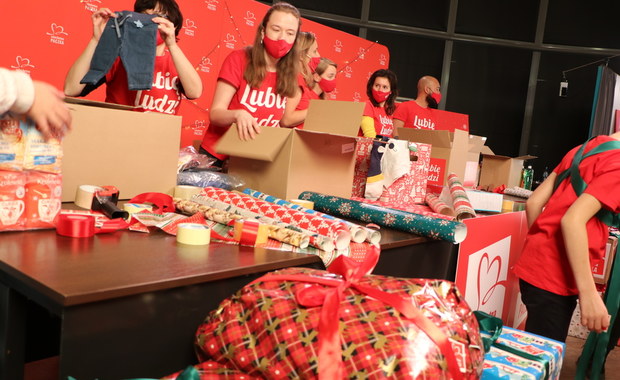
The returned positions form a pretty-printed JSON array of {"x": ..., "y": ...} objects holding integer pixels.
[
  {"x": 382, "y": 91},
  {"x": 565, "y": 234},
  {"x": 309, "y": 58},
  {"x": 418, "y": 113},
  {"x": 173, "y": 74}
]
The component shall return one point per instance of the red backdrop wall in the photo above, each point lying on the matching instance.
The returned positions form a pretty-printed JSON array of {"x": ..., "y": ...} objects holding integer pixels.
[{"x": 45, "y": 37}]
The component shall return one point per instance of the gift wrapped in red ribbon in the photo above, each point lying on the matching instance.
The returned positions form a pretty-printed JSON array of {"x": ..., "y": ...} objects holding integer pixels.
[{"x": 343, "y": 323}]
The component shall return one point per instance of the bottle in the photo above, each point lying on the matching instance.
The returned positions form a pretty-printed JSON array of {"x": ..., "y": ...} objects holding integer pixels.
[
  {"x": 545, "y": 173},
  {"x": 526, "y": 177}
]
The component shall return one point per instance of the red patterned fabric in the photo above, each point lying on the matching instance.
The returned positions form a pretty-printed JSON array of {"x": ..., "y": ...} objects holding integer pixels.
[
  {"x": 362, "y": 161},
  {"x": 411, "y": 188},
  {"x": 368, "y": 331}
]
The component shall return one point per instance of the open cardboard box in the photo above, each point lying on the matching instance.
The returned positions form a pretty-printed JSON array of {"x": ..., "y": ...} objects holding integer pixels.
[
  {"x": 448, "y": 151},
  {"x": 472, "y": 167},
  {"x": 136, "y": 152},
  {"x": 286, "y": 162},
  {"x": 499, "y": 170}
]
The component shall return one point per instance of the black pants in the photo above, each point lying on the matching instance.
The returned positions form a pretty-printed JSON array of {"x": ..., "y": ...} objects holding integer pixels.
[{"x": 548, "y": 314}]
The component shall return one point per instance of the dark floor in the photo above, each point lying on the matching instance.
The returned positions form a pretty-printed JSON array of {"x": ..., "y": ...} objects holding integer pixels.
[{"x": 573, "y": 350}]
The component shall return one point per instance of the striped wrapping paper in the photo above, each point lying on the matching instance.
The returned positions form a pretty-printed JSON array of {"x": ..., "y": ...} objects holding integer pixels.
[
  {"x": 460, "y": 201},
  {"x": 438, "y": 205},
  {"x": 358, "y": 233},
  {"x": 433, "y": 228},
  {"x": 337, "y": 231},
  {"x": 412, "y": 208}
]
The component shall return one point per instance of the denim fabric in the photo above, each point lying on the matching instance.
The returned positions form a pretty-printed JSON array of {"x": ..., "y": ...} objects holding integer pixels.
[{"x": 132, "y": 36}]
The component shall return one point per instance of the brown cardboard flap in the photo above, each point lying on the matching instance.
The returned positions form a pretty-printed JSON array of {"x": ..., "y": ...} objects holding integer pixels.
[
  {"x": 95, "y": 103},
  {"x": 264, "y": 147},
  {"x": 438, "y": 139},
  {"x": 476, "y": 143},
  {"x": 334, "y": 117},
  {"x": 486, "y": 151}
]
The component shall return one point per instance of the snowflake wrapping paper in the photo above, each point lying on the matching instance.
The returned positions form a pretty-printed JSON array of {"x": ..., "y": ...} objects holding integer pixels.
[{"x": 434, "y": 228}]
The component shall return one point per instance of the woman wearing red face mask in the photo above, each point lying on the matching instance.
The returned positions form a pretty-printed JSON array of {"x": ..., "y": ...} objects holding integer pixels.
[
  {"x": 418, "y": 113},
  {"x": 382, "y": 90},
  {"x": 323, "y": 78},
  {"x": 309, "y": 59},
  {"x": 254, "y": 82},
  {"x": 173, "y": 74}
]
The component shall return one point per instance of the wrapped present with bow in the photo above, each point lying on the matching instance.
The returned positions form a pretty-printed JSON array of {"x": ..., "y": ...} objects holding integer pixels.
[
  {"x": 515, "y": 354},
  {"x": 344, "y": 323}
]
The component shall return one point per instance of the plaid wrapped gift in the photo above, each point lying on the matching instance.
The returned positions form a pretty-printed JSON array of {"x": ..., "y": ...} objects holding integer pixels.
[
  {"x": 521, "y": 355},
  {"x": 302, "y": 323}
]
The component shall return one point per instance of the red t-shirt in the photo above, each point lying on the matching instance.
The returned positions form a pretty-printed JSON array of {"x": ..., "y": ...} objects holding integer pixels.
[
  {"x": 543, "y": 262},
  {"x": 164, "y": 96},
  {"x": 263, "y": 103},
  {"x": 414, "y": 116},
  {"x": 307, "y": 94},
  {"x": 383, "y": 122}
]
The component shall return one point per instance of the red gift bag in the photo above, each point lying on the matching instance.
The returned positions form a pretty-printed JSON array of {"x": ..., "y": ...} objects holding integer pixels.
[{"x": 306, "y": 324}]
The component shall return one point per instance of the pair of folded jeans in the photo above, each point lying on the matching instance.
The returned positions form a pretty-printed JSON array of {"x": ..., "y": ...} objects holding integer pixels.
[{"x": 132, "y": 36}]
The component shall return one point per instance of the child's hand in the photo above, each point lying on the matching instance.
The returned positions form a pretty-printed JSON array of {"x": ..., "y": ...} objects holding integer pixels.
[
  {"x": 594, "y": 314},
  {"x": 100, "y": 18},
  {"x": 166, "y": 29}
]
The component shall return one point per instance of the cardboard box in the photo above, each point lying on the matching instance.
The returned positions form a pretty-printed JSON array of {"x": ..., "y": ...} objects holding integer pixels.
[
  {"x": 472, "y": 166},
  {"x": 485, "y": 201},
  {"x": 286, "y": 162},
  {"x": 601, "y": 268},
  {"x": 499, "y": 170},
  {"x": 448, "y": 151},
  {"x": 134, "y": 151}
]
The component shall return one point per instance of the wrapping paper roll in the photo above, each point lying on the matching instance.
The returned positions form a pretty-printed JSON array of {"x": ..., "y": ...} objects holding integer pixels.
[
  {"x": 186, "y": 192},
  {"x": 305, "y": 204},
  {"x": 193, "y": 234},
  {"x": 437, "y": 205},
  {"x": 359, "y": 234},
  {"x": 518, "y": 192},
  {"x": 133, "y": 208},
  {"x": 433, "y": 228},
  {"x": 223, "y": 213},
  {"x": 460, "y": 201},
  {"x": 337, "y": 231}
]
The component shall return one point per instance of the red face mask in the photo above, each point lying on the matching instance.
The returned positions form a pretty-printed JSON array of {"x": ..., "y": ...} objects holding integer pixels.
[
  {"x": 380, "y": 96},
  {"x": 314, "y": 63},
  {"x": 436, "y": 96},
  {"x": 327, "y": 85},
  {"x": 276, "y": 49}
]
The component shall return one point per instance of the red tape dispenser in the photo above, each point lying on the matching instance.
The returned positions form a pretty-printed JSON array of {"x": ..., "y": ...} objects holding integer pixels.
[{"x": 105, "y": 200}]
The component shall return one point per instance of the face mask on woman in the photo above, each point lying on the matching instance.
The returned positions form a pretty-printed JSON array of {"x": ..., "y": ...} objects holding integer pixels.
[
  {"x": 313, "y": 63},
  {"x": 380, "y": 96},
  {"x": 327, "y": 85},
  {"x": 276, "y": 49}
]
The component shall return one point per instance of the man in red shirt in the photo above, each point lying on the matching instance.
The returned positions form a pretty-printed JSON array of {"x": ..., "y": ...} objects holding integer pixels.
[
  {"x": 418, "y": 113},
  {"x": 565, "y": 234}
]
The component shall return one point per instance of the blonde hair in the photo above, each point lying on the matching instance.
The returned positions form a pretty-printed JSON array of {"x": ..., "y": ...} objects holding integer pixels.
[
  {"x": 286, "y": 67},
  {"x": 304, "y": 42}
]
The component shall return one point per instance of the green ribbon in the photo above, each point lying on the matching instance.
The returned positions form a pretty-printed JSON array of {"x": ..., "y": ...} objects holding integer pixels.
[
  {"x": 595, "y": 349},
  {"x": 493, "y": 326}
]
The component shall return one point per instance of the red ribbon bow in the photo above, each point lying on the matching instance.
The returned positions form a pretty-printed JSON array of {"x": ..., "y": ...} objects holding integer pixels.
[
  {"x": 163, "y": 202},
  {"x": 330, "y": 351}
]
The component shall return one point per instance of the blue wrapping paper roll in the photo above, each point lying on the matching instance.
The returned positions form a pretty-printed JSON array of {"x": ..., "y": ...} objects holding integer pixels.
[{"x": 426, "y": 226}]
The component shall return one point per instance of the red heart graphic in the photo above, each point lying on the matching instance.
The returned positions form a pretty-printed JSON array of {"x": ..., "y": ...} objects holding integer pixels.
[{"x": 490, "y": 270}]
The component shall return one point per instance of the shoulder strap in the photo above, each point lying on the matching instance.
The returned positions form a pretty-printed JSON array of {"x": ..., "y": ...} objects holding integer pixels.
[{"x": 579, "y": 185}]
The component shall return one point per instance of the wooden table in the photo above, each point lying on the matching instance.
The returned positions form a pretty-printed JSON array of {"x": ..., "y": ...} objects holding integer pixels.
[
  {"x": 129, "y": 303},
  {"x": 120, "y": 297}
]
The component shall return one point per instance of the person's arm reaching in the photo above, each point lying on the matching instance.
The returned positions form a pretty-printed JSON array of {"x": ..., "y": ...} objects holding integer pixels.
[
  {"x": 292, "y": 116},
  {"x": 368, "y": 127},
  {"x": 539, "y": 198},
  {"x": 247, "y": 126},
  {"x": 190, "y": 80},
  {"x": 594, "y": 314},
  {"x": 80, "y": 67}
]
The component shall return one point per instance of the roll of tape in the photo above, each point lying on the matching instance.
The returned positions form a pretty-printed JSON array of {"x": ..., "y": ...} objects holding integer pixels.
[
  {"x": 186, "y": 192},
  {"x": 84, "y": 195},
  {"x": 74, "y": 225},
  {"x": 193, "y": 234},
  {"x": 134, "y": 208},
  {"x": 303, "y": 203}
]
